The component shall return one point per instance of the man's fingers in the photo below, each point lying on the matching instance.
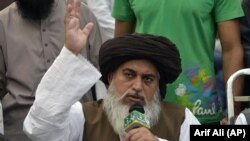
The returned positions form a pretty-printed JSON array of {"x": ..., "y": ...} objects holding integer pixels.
[
  {"x": 131, "y": 133},
  {"x": 77, "y": 8},
  {"x": 72, "y": 12},
  {"x": 87, "y": 29},
  {"x": 70, "y": 2},
  {"x": 69, "y": 8}
]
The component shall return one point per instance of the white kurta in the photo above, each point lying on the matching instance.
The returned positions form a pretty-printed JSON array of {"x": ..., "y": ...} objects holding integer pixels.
[
  {"x": 56, "y": 114},
  {"x": 102, "y": 10},
  {"x": 241, "y": 120}
]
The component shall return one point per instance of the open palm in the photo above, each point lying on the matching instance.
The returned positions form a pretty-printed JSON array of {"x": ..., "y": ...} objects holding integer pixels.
[{"x": 75, "y": 37}]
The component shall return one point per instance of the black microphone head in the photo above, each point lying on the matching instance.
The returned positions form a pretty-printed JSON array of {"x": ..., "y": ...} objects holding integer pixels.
[
  {"x": 137, "y": 107},
  {"x": 136, "y": 118}
]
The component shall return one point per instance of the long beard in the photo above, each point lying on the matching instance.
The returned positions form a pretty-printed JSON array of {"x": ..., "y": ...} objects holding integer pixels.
[
  {"x": 116, "y": 111},
  {"x": 35, "y": 10}
]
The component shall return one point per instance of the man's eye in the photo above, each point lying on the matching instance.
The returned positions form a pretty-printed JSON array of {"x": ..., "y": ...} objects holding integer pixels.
[
  {"x": 148, "y": 79},
  {"x": 128, "y": 75}
]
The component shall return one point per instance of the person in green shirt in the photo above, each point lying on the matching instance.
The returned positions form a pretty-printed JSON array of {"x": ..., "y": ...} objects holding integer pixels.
[{"x": 192, "y": 25}]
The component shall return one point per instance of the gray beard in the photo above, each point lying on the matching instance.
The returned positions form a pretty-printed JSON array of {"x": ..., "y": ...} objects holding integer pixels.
[{"x": 117, "y": 112}]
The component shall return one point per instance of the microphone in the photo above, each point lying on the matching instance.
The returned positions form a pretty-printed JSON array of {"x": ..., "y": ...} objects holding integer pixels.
[{"x": 136, "y": 118}]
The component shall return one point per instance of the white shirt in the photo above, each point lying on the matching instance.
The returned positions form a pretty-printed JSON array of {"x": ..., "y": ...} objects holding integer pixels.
[
  {"x": 56, "y": 114},
  {"x": 102, "y": 10},
  {"x": 241, "y": 119}
]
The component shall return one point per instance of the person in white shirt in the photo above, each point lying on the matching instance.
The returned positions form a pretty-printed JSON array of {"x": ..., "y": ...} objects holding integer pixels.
[{"x": 135, "y": 69}]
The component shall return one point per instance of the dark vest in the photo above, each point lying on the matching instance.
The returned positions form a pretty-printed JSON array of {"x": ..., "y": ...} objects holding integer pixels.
[{"x": 97, "y": 126}]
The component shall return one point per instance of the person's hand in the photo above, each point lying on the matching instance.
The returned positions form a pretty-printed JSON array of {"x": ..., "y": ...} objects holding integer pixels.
[
  {"x": 224, "y": 121},
  {"x": 140, "y": 134},
  {"x": 75, "y": 38}
]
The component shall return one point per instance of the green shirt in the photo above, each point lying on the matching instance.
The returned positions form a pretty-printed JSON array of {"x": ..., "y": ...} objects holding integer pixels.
[{"x": 191, "y": 25}]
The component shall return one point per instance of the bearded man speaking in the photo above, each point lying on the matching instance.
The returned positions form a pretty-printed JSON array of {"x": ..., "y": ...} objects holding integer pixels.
[{"x": 135, "y": 69}]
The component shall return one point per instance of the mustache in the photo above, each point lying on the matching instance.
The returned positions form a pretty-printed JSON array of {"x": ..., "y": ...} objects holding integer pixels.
[{"x": 134, "y": 94}]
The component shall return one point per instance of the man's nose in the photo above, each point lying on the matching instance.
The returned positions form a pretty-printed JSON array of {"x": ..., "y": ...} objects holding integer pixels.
[{"x": 137, "y": 84}]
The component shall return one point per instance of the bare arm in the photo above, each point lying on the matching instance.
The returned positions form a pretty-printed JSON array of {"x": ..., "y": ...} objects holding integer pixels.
[
  {"x": 122, "y": 27},
  {"x": 232, "y": 54}
]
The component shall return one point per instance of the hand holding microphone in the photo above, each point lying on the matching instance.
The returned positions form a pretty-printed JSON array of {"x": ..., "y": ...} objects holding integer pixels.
[
  {"x": 137, "y": 125},
  {"x": 136, "y": 118}
]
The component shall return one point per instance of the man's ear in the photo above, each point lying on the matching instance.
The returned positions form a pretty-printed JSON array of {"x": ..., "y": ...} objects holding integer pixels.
[{"x": 110, "y": 77}]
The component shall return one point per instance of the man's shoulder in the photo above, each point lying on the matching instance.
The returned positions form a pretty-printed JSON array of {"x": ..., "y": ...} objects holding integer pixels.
[
  {"x": 5, "y": 3},
  {"x": 170, "y": 106},
  {"x": 92, "y": 104},
  {"x": 8, "y": 12},
  {"x": 166, "y": 103},
  {"x": 93, "y": 110}
]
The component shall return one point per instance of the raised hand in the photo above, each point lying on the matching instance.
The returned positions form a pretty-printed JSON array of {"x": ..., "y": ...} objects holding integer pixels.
[{"x": 75, "y": 37}]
